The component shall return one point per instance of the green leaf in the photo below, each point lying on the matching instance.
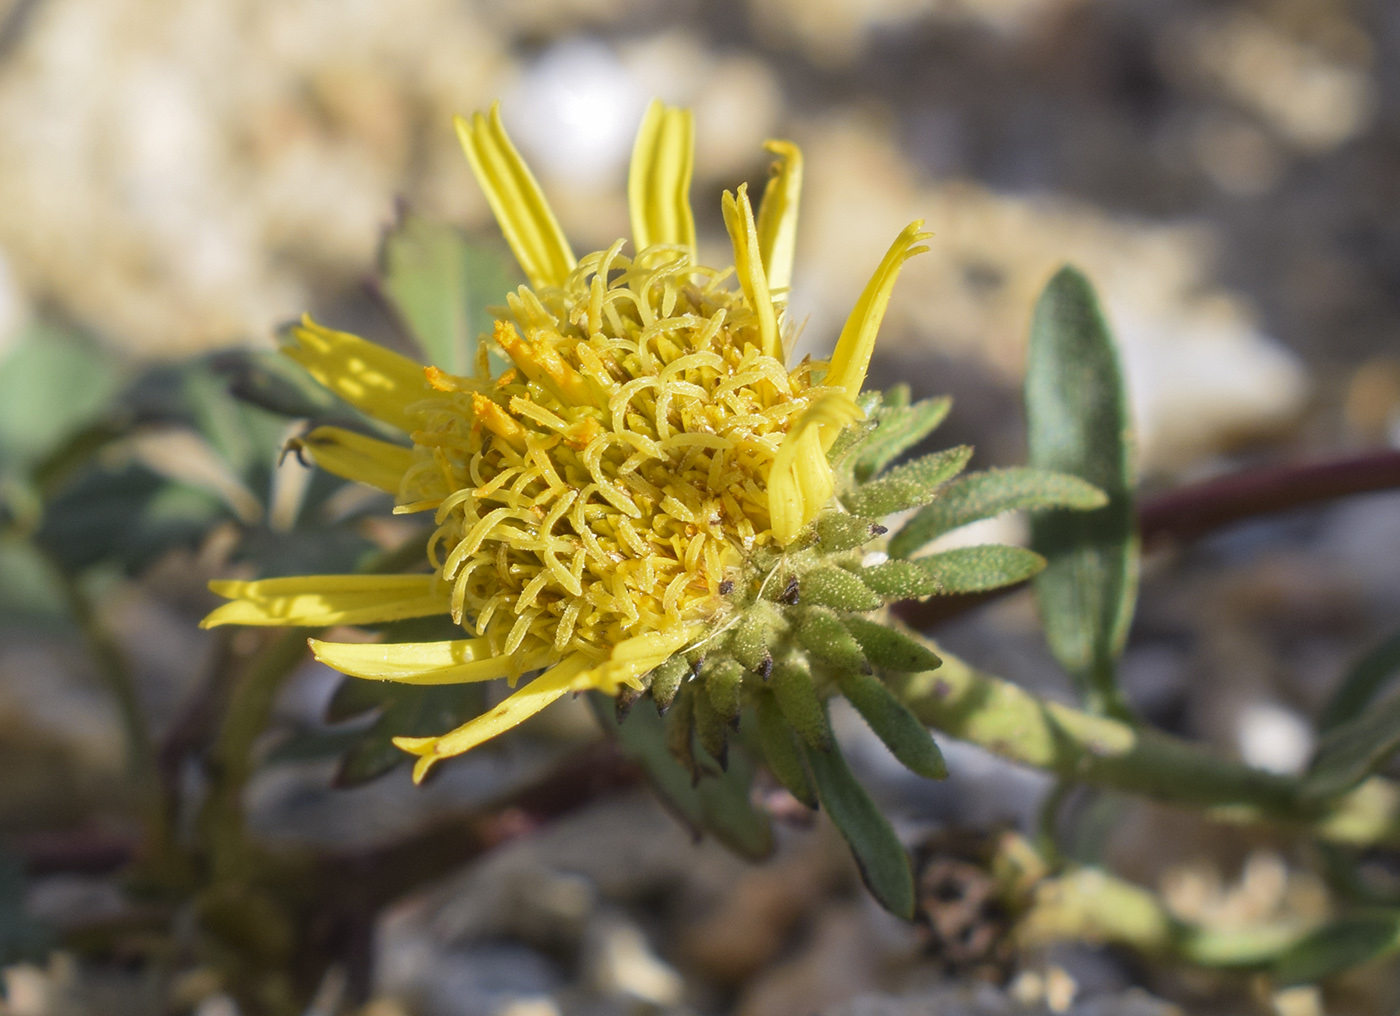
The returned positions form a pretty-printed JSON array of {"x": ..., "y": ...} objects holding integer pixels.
[
  {"x": 823, "y": 635},
  {"x": 718, "y": 804},
  {"x": 906, "y": 738},
  {"x": 984, "y": 495},
  {"x": 754, "y": 635},
  {"x": 53, "y": 382},
  {"x": 409, "y": 711},
  {"x": 889, "y": 649},
  {"x": 884, "y": 866},
  {"x": 1078, "y": 423},
  {"x": 1353, "y": 750},
  {"x": 897, "y": 429},
  {"x": 908, "y": 486},
  {"x": 666, "y": 681},
  {"x": 1340, "y": 945},
  {"x": 837, "y": 531},
  {"x": 791, "y": 685},
  {"x": 963, "y": 570},
  {"x": 724, "y": 685},
  {"x": 780, "y": 749},
  {"x": 1362, "y": 683},
  {"x": 441, "y": 285},
  {"x": 831, "y": 586},
  {"x": 710, "y": 728},
  {"x": 680, "y": 732}
]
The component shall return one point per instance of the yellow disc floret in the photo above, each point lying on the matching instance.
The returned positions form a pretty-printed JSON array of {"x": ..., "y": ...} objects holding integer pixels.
[{"x": 614, "y": 479}]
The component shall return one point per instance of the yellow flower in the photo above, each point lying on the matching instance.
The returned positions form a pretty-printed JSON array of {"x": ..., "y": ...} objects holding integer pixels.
[{"x": 598, "y": 505}]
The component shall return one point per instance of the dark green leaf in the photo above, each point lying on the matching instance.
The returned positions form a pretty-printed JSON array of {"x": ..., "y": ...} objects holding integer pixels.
[
  {"x": 409, "y": 711},
  {"x": 908, "y": 486},
  {"x": 22, "y": 938},
  {"x": 1078, "y": 423},
  {"x": 906, "y": 738},
  {"x": 897, "y": 429},
  {"x": 780, "y": 749},
  {"x": 680, "y": 731},
  {"x": 1353, "y": 750},
  {"x": 889, "y": 649},
  {"x": 831, "y": 586},
  {"x": 718, "y": 804},
  {"x": 984, "y": 495},
  {"x": 1340, "y": 945},
  {"x": 964, "y": 570},
  {"x": 884, "y": 866},
  {"x": 441, "y": 284},
  {"x": 1362, "y": 683}
]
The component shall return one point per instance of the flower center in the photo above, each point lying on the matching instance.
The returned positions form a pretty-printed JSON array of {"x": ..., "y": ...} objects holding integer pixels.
[{"x": 614, "y": 479}]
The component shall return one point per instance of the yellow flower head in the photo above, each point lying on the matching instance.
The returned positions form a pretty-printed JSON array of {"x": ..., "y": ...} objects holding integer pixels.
[{"x": 597, "y": 505}]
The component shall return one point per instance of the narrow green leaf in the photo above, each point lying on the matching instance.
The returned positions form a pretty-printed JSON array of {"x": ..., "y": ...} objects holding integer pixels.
[
  {"x": 718, "y": 804},
  {"x": 837, "y": 531},
  {"x": 441, "y": 284},
  {"x": 791, "y": 685},
  {"x": 908, "y": 486},
  {"x": 710, "y": 728},
  {"x": 889, "y": 649},
  {"x": 897, "y": 429},
  {"x": 906, "y": 738},
  {"x": 409, "y": 711},
  {"x": 680, "y": 732},
  {"x": 823, "y": 635},
  {"x": 53, "y": 382},
  {"x": 1353, "y": 750},
  {"x": 831, "y": 586},
  {"x": 666, "y": 681},
  {"x": 984, "y": 495},
  {"x": 724, "y": 685},
  {"x": 1078, "y": 423},
  {"x": 884, "y": 866},
  {"x": 780, "y": 750},
  {"x": 963, "y": 570},
  {"x": 1340, "y": 945},
  {"x": 1367, "y": 677}
]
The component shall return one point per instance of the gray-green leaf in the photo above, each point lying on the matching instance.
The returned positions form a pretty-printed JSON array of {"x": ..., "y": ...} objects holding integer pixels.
[
  {"x": 831, "y": 586},
  {"x": 1362, "y": 683},
  {"x": 1078, "y": 423},
  {"x": 441, "y": 284},
  {"x": 884, "y": 866},
  {"x": 1353, "y": 750},
  {"x": 889, "y": 649},
  {"x": 908, "y": 486},
  {"x": 984, "y": 495},
  {"x": 906, "y": 738},
  {"x": 897, "y": 429},
  {"x": 963, "y": 570}
]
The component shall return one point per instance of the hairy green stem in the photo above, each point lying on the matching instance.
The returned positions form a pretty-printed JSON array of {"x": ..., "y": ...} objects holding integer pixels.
[{"x": 1105, "y": 752}]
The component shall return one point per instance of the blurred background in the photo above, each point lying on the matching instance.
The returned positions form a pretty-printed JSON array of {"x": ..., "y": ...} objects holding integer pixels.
[{"x": 178, "y": 177}]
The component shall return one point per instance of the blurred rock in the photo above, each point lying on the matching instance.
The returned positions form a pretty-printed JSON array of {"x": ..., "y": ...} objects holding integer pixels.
[{"x": 985, "y": 1000}]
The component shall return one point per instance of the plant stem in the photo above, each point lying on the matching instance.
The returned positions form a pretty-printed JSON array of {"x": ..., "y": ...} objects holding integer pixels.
[{"x": 1075, "y": 745}]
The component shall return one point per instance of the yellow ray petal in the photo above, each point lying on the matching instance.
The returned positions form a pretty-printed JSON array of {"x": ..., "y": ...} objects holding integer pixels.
[
  {"x": 800, "y": 482},
  {"x": 777, "y": 216},
  {"x": 852, "y": 356},
  {"x": 371, "y": 378},
  {"x": 658, "y": 184},
  {"x": 748, "y": 265},
  {"x": 516, "y": 200},
  {"x": 458, "y": 662},
  {"x": 315, "y": 601},
  {"x": 518, "y": 707},
  {"x": 631, "y": 658},
  {"x": 357, "y": 457}
]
